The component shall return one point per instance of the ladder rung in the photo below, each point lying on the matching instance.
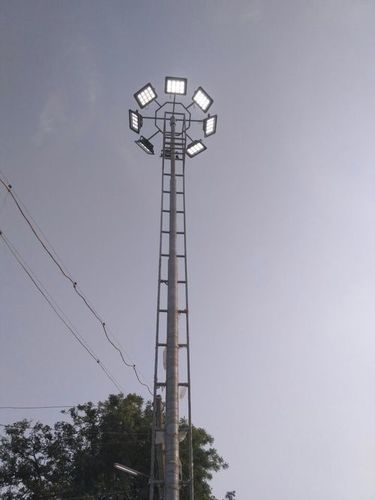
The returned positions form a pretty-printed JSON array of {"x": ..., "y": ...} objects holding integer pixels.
[
  {"x": 164, "y": 231},
  {"x": 180, "y": 311},
  {"x": 165, "y": 191},
  {"x": 179, "y": 255},
  {"x": 180, "y": 282},
  {"x": 164, "y": 344},
  {"x": 183, "y": 384}
]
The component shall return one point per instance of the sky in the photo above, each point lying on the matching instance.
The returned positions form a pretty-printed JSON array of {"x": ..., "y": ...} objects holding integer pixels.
[{"x": 280, "y": 224}]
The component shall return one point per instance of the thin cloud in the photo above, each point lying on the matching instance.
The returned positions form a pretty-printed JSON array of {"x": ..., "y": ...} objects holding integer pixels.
[
  {"x": 52, "y": 117},
  {"x": 227, "y": 12},
  {"x": 71, "y": 104}
]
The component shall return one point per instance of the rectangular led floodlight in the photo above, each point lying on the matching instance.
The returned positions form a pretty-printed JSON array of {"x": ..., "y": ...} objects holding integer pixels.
[
  {"x": 135, "y": 121},
  {"x": 125, "y": 468},
  {"x": 146, "y": 145},
  {"x": 203, "y": 100},
  {"x": 209, "y": 125},
  {"x": 175, "y": 85},
  {"x": 195, "y": 148},
  {"x": 146, "y": 95}
]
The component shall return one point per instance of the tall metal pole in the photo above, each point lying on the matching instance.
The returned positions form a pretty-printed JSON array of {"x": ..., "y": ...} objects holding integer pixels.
[
  {"x": 166, "y": 470},
  {"x": 172, "y": 459}
]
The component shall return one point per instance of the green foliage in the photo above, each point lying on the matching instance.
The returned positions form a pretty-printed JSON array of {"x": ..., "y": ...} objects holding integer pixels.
[{"x": 74, "y": 458}]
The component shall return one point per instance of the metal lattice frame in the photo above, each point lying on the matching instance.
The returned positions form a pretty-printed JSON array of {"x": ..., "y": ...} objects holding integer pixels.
[
  {"x": 172, "y": 120},
  {"x": 171, "y": 147}
]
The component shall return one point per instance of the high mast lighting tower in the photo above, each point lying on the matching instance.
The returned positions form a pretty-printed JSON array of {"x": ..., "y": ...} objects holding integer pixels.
[{"x": 172, "y": 120}]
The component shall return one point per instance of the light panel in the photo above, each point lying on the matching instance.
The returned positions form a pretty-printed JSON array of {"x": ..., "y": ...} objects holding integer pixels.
[
  {"x": 203, "y": 100},
  {"x": 209, "y": 125},
  {"x": 174, "y": 85},
  {"x": 195, "y": 148},
  {"x": 146, "y": 95},
  {"x": 146, "y": 145},
  {"x": 135, "y": 121},
  {"x": 125, "y": 468}
]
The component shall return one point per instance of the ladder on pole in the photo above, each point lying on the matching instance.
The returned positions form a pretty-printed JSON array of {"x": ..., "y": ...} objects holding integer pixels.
[{"x": 157, "y": 459}]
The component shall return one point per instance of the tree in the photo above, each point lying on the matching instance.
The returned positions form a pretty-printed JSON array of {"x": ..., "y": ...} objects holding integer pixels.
[{"x": 74, "y": 458}]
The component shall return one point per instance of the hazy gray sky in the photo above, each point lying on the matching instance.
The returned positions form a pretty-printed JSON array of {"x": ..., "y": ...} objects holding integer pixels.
[{"x": 281, "y": 223}]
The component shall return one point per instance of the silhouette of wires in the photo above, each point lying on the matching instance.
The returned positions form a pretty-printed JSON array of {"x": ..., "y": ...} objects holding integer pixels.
[
  {"x": 45, "y": 407},
  {"x": 48, "y": 248},
  {"x": 56, "y": 308}
]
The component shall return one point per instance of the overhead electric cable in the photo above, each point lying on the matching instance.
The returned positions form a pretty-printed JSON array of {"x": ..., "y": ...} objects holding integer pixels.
[
  {"x": 8, "y": 187},
  {"x": 58, "y": 262},
  {"x": 34, "y": 407},
  {"x": 57, "y": 309}
]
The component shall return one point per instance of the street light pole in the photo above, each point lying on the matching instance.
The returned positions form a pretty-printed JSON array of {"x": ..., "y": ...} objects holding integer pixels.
[
  {"x": 172, "y": 455},
  {"x": 172, "y": 120}
]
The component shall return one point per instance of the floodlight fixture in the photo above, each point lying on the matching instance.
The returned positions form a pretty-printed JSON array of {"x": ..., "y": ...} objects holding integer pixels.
[
  {"x": 145, "y": 95},
  {"x": 203, "y": 100},
  {"x": 174, "y": 85},
  {"x": 146, "y": 145},
  {"x": 128, "y": 470},
  {"x": 194, "y": 148},
  {"x": 209, "y": 125},
  {"x": 135, "y": 121}
]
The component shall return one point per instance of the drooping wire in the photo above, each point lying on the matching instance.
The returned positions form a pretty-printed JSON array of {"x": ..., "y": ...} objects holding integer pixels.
[
  {"x": 8, "y": 187},
  {"x": 46, "y": 407},
  {"x": 58, "y": 262},
  {"x": 57, "y": 309}
]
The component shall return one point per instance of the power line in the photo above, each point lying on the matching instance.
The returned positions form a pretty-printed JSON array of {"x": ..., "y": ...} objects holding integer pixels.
[
  {"x": 34, "y": 407},
  {"x": 57, "y": 310},
  {"x": 58, "y": 262}
]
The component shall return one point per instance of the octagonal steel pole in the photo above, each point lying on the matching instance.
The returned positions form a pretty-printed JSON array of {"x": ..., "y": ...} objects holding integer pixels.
[{"x": 172, "y": 458}]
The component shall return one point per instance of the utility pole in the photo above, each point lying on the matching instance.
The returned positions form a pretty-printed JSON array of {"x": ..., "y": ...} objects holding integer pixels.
[
  {"x": 172, "y": 459},
  {"x": 172, "y": 120}
]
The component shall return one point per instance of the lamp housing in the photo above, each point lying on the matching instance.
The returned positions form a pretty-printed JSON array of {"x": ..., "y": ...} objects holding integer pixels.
[
  {"x": 125, "y": 468},
  {"x": 135, "y": 121},
  {"x": 202, "y": 99},
  {"x": 146, "y": 145},
  {"x": 194, "y": 148},
  {"x": 145, "y": 95},
  {"x": 209, "y": 125},
  {"x": 175, "y": 85}
]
